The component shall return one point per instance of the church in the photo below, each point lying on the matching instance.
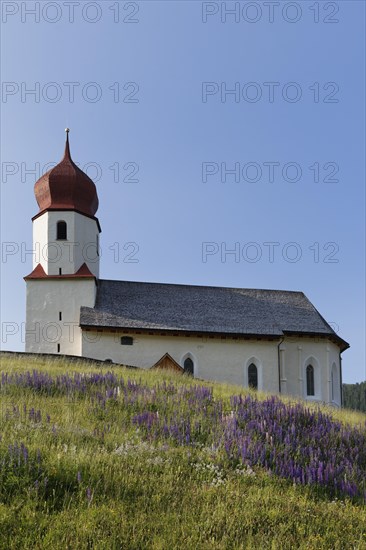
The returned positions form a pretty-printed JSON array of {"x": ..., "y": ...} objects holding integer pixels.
[{"x": 270, "y": 340}]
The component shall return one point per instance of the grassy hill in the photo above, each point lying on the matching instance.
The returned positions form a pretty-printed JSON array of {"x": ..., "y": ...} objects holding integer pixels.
[{"x": 107, "y": 457}]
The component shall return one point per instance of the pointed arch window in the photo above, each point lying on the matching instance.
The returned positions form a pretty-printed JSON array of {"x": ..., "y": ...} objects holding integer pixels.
[
  {"x": 188, "y": 366},
  {"x": 61, "y": 231},
  {"x": 253, "y": 376},
  {"x": 310, "y": 384}
]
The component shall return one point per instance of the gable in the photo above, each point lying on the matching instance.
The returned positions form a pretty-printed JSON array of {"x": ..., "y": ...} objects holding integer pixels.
[{"x": 168, "y": 363}]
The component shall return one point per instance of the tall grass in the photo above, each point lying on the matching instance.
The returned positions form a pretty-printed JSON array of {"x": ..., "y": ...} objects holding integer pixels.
[{"x": 94, "y": 457}]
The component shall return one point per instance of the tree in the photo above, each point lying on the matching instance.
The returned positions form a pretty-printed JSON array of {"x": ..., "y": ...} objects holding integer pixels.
[{"x": 354, "y": 396}]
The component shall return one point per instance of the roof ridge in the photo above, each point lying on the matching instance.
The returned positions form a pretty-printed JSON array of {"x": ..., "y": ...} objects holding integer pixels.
[{"x": 204, "y": 286}]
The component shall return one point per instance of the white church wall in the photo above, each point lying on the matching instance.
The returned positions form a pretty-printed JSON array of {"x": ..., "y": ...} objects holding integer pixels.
[
  {"x": 69, "y": 255},
  {"x": 214, "y": 359},
  {"x": 321, "y": 354},
  {"x": 87, "y": 233},
  {"x": 40, "y": 240},
  {"x": 228, "y": 360},
  {"x": 46, "y": 299}
]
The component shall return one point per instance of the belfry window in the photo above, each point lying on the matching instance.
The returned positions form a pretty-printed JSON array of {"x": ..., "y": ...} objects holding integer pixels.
[
  {"x": 253, "y": 376},
  {"x": 310, "y": 386},
  {"x": 61, "y": 231},
  {"x": 188, "y": 366}
]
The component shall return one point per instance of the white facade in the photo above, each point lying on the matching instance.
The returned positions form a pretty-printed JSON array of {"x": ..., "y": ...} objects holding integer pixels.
[
  {"x": 68, "y": 255},
  {"x": 53, "y": 314},
  {"x": 62, "y": 242},
  {"x": 228, "y": 360}
]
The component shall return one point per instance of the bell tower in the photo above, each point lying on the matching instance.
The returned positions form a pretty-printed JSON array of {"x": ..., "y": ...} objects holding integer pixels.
[
  {"x": 66, "y": 258},
  {"x": 65, "y": 230}
]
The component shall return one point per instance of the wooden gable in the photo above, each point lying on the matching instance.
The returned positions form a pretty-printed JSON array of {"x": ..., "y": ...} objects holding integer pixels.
[{"x": 168, "y": 363}]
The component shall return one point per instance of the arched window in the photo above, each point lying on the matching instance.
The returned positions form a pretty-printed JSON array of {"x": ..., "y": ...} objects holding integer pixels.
[
  {"x": 61, "y": 231},
  {"x": 188, "y": 366},
  {"x": 253, "y": 376},
  {"x": 310, "y": 386}
]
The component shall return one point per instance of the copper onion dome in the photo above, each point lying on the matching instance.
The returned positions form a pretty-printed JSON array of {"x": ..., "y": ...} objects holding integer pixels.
[{"x": 66, "y": 187}]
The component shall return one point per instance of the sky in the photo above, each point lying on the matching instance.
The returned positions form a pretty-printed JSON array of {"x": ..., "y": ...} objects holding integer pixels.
[{"x": 226, "y": 140}]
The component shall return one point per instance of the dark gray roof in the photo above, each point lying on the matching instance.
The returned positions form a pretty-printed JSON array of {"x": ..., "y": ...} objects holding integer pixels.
[{"x": 204, "y": 309}]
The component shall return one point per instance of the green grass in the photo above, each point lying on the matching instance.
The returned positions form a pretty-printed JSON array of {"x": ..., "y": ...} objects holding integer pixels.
[{"x": 102, "y": 484}]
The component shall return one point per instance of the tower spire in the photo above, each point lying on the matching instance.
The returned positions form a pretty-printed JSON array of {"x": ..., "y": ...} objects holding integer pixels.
[{"x": 67, "y": 145}]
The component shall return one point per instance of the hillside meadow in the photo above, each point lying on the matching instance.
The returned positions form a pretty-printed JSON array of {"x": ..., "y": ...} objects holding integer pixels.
[{"x": 102, "y": 456}]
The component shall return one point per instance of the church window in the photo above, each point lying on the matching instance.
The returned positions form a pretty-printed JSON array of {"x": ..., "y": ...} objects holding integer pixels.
[
  {"x": 58, "y": 348},
  {"x": 188, "y": 366},
  {"x": 60, "y": 315},
  {"x": 310, "y": 386},
  {"x": 60, "y": 270},
  {"x": 61, "y": 231},
  {"x": 253, "y": 376},
  {"x": 126, "y": 340}
]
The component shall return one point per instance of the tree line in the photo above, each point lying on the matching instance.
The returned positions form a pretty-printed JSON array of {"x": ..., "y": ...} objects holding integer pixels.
[{"x": 354, "y": 396}]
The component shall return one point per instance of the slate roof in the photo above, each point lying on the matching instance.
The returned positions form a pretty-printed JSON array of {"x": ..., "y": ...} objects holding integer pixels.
[{"x": 204, "y": 309}]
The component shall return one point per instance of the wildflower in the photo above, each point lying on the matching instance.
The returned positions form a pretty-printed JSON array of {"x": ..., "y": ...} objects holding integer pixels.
[{"x": 89, "y": 495}]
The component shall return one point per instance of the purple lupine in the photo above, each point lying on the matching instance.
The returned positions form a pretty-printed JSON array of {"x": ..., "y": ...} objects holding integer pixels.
[
  {"x": 89, "y": 494},
  {"x": 289, "y": 440}
]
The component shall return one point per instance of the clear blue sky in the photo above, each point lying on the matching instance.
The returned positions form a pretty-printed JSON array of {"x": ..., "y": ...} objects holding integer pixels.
[{"x": 167, "y": 122}]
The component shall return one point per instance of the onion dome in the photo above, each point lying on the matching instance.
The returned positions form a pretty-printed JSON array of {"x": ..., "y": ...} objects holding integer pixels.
[{"x": 66, "y": 187}]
